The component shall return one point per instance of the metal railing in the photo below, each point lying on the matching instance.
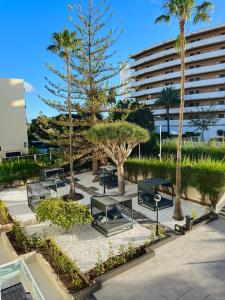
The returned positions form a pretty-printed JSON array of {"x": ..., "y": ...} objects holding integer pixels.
[
  {"x": 8, "y": 271},
  {"x": 33, "y": 157}
]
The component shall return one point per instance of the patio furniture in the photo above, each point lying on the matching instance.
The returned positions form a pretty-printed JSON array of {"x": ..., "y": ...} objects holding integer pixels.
[
  {"x": 108, "y": 179},
  {"x": 54, "y": 174},
  {"x": 108, "y": 214},
  {"x": 36, "y": 193},
  {"x": 148, "y": 188}
]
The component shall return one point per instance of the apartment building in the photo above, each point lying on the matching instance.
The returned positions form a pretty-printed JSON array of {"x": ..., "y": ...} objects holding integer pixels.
[
  {"x": 158, "y": 66},
  {"x": 13, "y": 128}
]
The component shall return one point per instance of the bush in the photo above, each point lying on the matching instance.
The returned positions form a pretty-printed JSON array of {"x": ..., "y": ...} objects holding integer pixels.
[
  {"x": 3, "y": 213},
  {"x": 206, "y": 175},
  {"x": 58, "y": 260},
  {"x": 195, "y": 150},
  {"x": 65, "y": 214},
  {"x": 22, "y": 170}
]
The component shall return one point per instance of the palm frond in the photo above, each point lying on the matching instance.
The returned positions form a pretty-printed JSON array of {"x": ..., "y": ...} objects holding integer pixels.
[{"x": 163, "y": 18}]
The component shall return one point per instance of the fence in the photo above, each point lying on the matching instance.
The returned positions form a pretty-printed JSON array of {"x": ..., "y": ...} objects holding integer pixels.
[{"x": 34, "y": 157}]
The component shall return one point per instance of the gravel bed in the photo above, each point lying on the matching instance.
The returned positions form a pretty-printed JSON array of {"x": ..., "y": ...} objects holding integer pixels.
[{"x": 83, "y": 242}]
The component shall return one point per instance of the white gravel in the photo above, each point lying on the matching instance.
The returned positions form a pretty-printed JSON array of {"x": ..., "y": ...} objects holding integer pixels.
[{"x": 83, "y": 242}]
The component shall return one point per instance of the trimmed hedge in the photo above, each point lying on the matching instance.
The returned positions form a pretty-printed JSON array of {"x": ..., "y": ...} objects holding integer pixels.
[
  {"x": 205, "y": 175},
  {"x": 195, "y": 150},
  {"x": 22, "y": 170}
]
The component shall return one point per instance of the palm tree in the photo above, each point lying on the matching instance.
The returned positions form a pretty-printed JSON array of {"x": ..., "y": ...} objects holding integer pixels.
[
  {"x": 167, "y": 98},
  {"x": 183, "y": 11},
  {"x": 64, "y": 43}
]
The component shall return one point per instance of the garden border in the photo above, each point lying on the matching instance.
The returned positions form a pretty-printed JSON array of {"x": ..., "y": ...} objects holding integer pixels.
[{"x": 97, "y": 282}]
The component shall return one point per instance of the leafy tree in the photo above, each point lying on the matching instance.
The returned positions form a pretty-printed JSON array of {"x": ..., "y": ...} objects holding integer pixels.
[
  {"x": 65, "y": 214},
  {"x": 205, "y": 119},
  {"x": 168, "y": 97},
  {"x": 117, "y": 140},
  {"x": 184, "y": 11},
  {"x": 138, "y": 114}
]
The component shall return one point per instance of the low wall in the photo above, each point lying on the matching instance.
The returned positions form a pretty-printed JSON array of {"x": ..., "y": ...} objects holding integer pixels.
[{"x": 48, "y": 272}]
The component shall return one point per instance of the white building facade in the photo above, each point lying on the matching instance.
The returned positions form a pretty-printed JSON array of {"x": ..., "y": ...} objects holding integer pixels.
[
  {"x": 13, "y": 127},
  {"x": 158, "y": 66}
]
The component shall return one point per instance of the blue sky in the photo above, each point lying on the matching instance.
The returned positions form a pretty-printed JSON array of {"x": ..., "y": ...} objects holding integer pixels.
[{"x": 27, "y": 25}]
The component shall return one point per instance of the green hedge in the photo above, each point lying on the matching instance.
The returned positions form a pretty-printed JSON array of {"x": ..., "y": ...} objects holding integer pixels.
[
  {"x": 206, "y": 175},
  {"x": 22, "y": 170},
  {"x": 195, "y": 150}
]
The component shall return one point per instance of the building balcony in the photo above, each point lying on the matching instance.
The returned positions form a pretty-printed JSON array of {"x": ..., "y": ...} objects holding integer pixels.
[
  {"x": 188, "y": 85},
  {"x": 175, "y": 75},
  {"x": 190, "y": 46},
  {"x": 173, "y": 63},
  {"x": 195, "y": 109},
  {"x": 186, "y": 125}
]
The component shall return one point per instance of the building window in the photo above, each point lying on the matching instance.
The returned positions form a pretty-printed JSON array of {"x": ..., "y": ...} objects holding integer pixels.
[
  {"x": 222, "y": 75},
  {"x": 222, "y": 89},
  {"x": 221, "y": 116}
]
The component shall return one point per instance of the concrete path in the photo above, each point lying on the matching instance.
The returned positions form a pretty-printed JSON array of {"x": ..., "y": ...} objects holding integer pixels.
[{"x": 189, "y": 268}]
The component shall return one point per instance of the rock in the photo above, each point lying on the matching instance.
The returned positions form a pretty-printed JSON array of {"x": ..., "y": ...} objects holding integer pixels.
[{"x": 17, "y": 183}]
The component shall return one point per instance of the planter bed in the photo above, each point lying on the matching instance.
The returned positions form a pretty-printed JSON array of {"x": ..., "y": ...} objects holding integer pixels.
[
  {"x": 63, "y": 276},
  {"x": 156, "y": 244},
  {"x": 205, "y": 219}
]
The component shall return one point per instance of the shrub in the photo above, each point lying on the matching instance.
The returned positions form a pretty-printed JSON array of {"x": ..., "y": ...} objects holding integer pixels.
[
  {"x": 196, "y": 150},
  {"x": 206, "y": 174},
  {"x": 65, "y": 214},
  {"x": 22, "y": 170},
  {"x": 3, "y": 213},
  {"x": 58, "y": 260}
]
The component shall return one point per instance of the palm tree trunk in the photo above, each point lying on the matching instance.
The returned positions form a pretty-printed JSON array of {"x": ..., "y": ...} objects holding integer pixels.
[
  {"x": 72, "y": 185},
  {"x": 168, "y": 120},
  {"x": 178, "y": 213},
  {"x": 121, "y": 183}
]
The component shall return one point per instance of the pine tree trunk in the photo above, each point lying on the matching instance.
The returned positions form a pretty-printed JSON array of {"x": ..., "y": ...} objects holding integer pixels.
[
  {"x": 94, "y": 166},
  {"x": 178, "y": 213},
  {"x": 121, "y": 183},
  {"x": 72, "y": 185}
]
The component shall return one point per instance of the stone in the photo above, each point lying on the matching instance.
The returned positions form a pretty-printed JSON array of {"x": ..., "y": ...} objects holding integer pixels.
[{"x": 17, "y": 183}]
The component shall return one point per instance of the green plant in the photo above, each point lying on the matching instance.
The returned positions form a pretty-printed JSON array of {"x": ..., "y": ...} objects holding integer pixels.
[
  {"x": 122, "y": 255},
  {"x": 161, "y": 232},
  {"x": 111, "y": 262},
  {"x": 195, "y": 150},
  {"x": 65, "y": 214},
  {"x": 153, "y": 232},
  {"x": 194, "y": 214},
  {"x": 99, "y": 266},
  {"x": 131, "y": 250},
  {"x": 3, "y": 213},
  {"x": 20, "y": 237},
  {"x": 22, "y": 170}
]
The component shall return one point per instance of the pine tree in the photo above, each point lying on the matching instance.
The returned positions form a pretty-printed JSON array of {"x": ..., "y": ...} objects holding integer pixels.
[{"x": 92, "y": 63}]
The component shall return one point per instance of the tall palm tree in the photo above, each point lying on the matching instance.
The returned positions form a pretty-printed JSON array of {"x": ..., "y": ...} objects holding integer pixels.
[
  {"x": 183, "y": 11},
  {"x": 168, "y": 97},
  {"x": 64, "y": 43}
]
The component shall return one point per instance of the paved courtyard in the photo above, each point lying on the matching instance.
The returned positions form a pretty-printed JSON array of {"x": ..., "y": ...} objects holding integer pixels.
[{"x": 190, "y": 268}]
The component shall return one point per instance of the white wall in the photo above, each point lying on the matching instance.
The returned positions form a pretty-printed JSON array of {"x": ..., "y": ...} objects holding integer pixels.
[{"x": 13, "y": 128}]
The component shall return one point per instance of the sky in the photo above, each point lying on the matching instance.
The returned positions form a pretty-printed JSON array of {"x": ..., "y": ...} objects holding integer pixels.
[{"x": 26, "y": 27}]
